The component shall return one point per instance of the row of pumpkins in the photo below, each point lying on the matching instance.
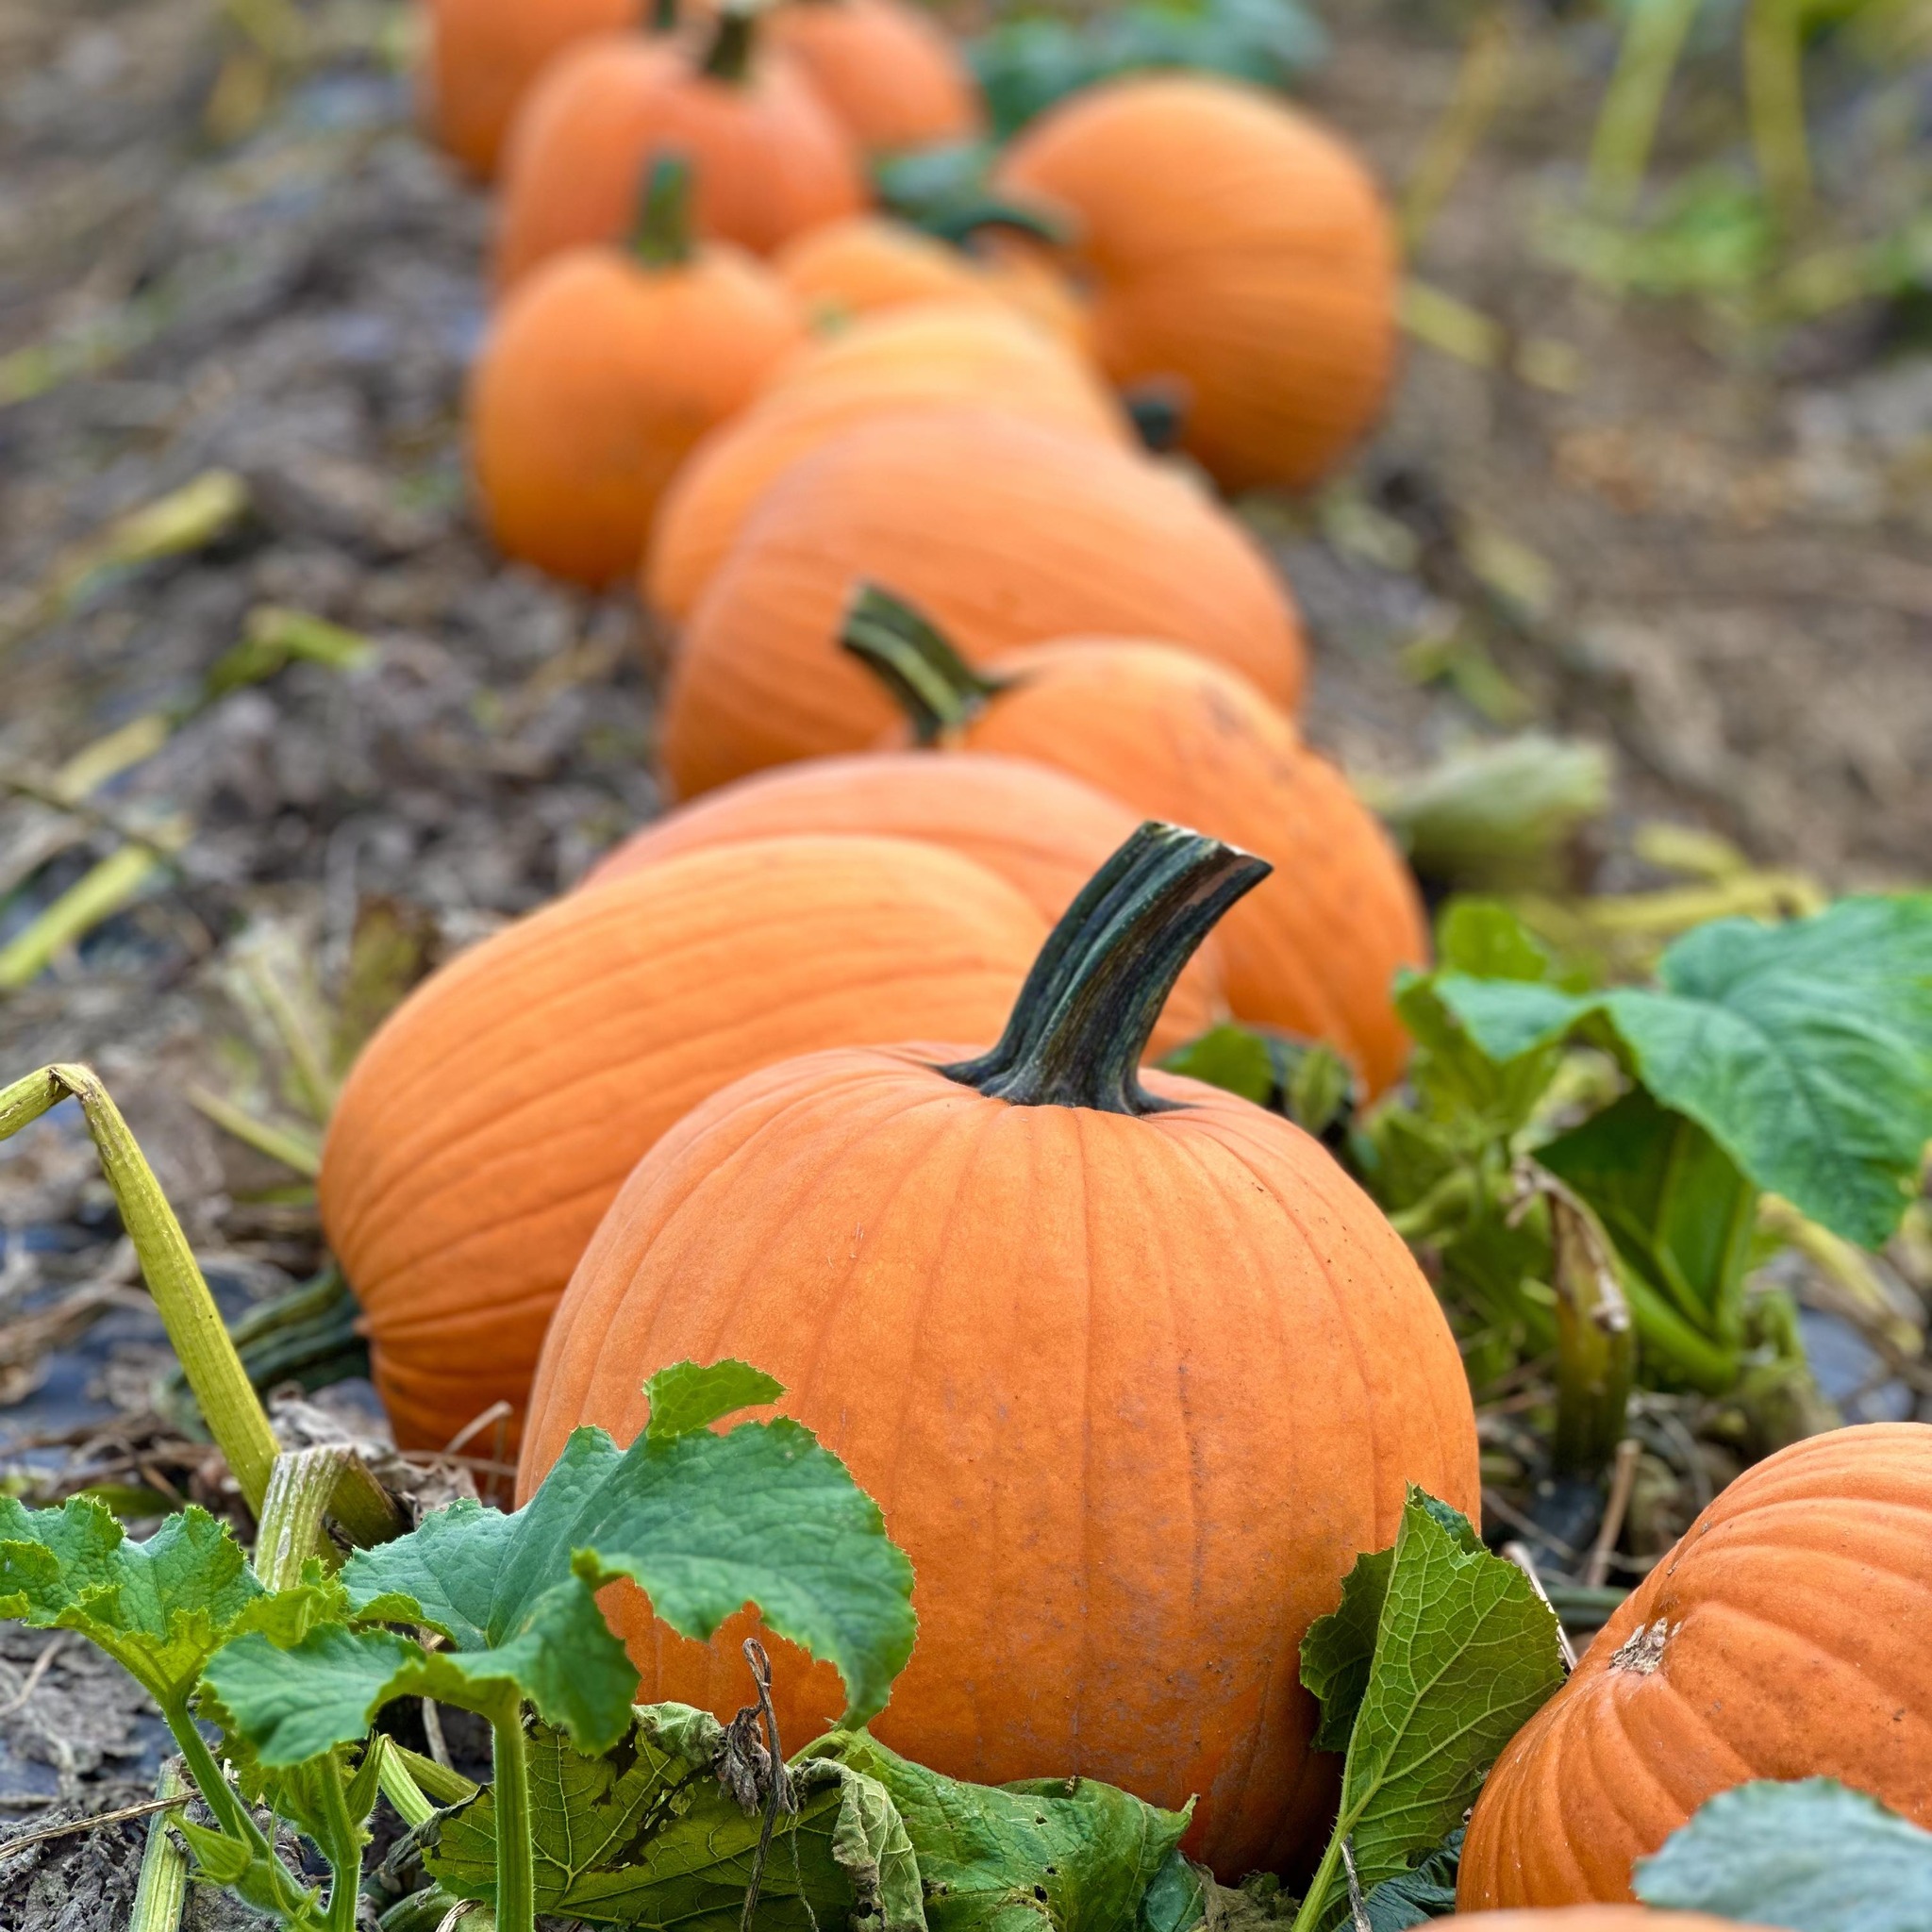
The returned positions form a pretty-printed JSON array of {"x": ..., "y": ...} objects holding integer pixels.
[{"x": 1132, "y": 1368}]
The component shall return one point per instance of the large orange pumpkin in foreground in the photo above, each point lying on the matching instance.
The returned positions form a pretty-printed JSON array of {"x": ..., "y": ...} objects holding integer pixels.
[
  {"x": 935, "y": 353},
  {"x": 1783, "y": 1638},
  {"x": 1043, "y": 831},
  {"x": 770, "y": 158},
  {"x": 485, "y": 54},
  {"x": 1134, "y": 1373},
  {"x": 1006, "y": 531},
  {"x": 886, "y": 68},
  {"x": 599, "y": 373},
  {"x": 486, "y": 1126},
  {"x": 1233, "y": 249},
  {"x": 1313, "y": 950}
]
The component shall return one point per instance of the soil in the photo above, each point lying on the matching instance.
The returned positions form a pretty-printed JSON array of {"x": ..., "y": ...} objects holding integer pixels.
[{"x": 226, "y": 253}]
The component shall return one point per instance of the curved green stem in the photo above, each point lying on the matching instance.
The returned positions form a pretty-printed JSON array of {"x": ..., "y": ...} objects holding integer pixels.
[
  {"x": 1083, "y": 1019},
  {"x": 662, "y": 238},
  {"x": 343, "y": 1852},
  {"x": 936, "y": 687},
  {"x": 232, "y": 1815},
  {"x": 729, "y": 58},
  {"x": 516, "y": 1865},
  {"x": 663, "y": 16}
]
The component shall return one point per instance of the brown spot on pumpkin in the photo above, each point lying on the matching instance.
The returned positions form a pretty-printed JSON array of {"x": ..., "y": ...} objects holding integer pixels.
[{"x": 1643, "y": 1649}]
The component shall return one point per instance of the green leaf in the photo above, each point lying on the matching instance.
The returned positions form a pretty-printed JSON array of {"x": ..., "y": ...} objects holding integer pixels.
[
  {"x": 159, "y": 1608},
  {"x": 645, "y": 1834},
  {"x": 1485, "y": 940},
  {"x": 1805, "y": 1049},
  {"x": 1465, "y": 1653},
  {"x": 686, "y": 1398},
  {"x": 1426, "y": 1891},
  {"x": 1303, "y": 1081},
  {"x": 999, "y": 1858},
  {"x": 1812, "y": 1857}
]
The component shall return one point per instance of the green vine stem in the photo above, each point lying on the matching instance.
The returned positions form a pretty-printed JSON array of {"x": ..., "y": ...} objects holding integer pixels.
[
  {"x": 663, "y": 16},
  {"x": 729, "y": 58},
  {"x": 662, "y": 236},
  {"x": 939, "y": 693},
  {"x": 1083, "y": 1019},
  {"x": 516, "y": 1863},
  {"x": 1626, "y": 126},
  {"x": 163, "y": 1893},
  {"x": 188, "y": 1310}
]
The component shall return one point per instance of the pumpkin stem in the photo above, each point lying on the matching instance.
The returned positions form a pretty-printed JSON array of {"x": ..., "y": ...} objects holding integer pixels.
[
  {"x": 1158, "y": 410},
  {"x": 663, "y": 16},
  {"x": 729, "y": 58},
  {"x": 915, "y": 660},
  {"x": 662, "y": 236},
  {"x": 1083, "y": 1019}
]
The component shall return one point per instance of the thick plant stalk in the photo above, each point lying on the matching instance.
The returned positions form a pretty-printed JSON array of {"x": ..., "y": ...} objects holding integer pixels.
[
  {"x": 163, "y": 1893},
  {"x": 1626, "y": 128},
  {"x": 516, "y": 1864},
  {"x": 1774, "y": 89},
  {"x": 663, "y": 238}
]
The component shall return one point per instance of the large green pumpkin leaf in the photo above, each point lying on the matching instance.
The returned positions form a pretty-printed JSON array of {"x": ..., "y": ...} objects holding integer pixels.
[
  {"x": 1805, "y": 1049},
  {"x": 1812, "y": 1857},
  {"x": 159, "y": 1608},
  {"x": 1465, "y": 1653},
  {"x": 703, "y": 1522}
]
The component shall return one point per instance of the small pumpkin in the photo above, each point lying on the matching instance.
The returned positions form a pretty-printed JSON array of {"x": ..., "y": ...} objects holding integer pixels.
[
  {"x": 937, "y": 353},
  {"x": 1132, "y": 1368},
  {"x": 887, "y": 69},
  {"x": 484, "y": 1130},
  {"x": 868, "y": 262},
  {"x": 1006, "y": 531},
  {"x": 1233, "y": 249},
  {"x": 601, "y": 370},
  {"x": 1782, "y": 1638},
  {"x": 1043, "y": 831},
  {"x": 1313, "y": 950},
  {"x": 483, "y": 56},
  {"x": 771, "y": 159}
]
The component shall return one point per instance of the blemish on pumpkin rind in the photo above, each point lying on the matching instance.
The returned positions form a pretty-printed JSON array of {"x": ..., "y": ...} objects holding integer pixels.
[{"x": 1643, "y": 1650}]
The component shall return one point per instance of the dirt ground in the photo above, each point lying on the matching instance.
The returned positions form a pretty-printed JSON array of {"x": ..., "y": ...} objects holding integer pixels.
[{"x": 1713, "y": 555}]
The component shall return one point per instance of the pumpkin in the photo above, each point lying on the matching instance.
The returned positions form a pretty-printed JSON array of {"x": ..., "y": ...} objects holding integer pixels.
[
  {"x": 1596, "y": 1919},
  {"x": 1233, "y": 249},
  {"x": 1782, "y": 1638},
  {"x": 1134, "y": 1372},
  {"x": 1021, "y": 269},
  {"x": 1315, "y": 949},
  {"x": 1007, "y": 531},
  {"x": 486, "y": 1126},
  {"x": 868, "y": 262},
  {"x": 771, "y": 159},
  {"x": 888, "y": 71},
  {"x": 938, "y": 353},
  {"x": 1041, "y": 831},
  {"x": 484, "y": 54},
  {"x": 599, "y": 373}
]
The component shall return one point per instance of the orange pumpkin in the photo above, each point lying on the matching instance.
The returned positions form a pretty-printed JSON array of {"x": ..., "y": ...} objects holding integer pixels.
[
  {"x": 1007, "y": 531},
  {"x": 1315, "y": 949},
  {"x": 1234, "y": 249},
  {"x": 937, "y": 353},
  {"x": 600, "y": 373},
  {"x": 1041, "y": 831},
  {"x": 868, "y": 263},
  {"x": 771, "y": 159},
  {"x": 1782, "y": 1638},
  {"x": 885, "y": 68},
  {"x": 1596, "y": 1919},
  {"x": 490, "y": 1122},
  {"x": 1134, "y": 1373},
  {"x": 483, "y": 56}
]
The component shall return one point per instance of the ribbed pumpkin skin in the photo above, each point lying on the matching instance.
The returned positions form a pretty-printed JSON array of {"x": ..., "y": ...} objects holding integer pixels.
[
  {"x": 870, "y": 262},
  {"x": 484, "y": 54},
  {"x": 1797, "y": 1607},
  {"x": 1132, "y": 1392},
  {"x": 598, "y": 377},
  {"x": 934, "y": 355},
  {"x": 768, "y": 158},
  {"x": 1233, "y": 244},
  {"x": 491, "y": 1119},
  {"x": 1043, "y": 832},
  {"x": 1315, "y": 948},
  {"x": 1005, "y": 532},
  {"x": 889, "y": 73}
]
